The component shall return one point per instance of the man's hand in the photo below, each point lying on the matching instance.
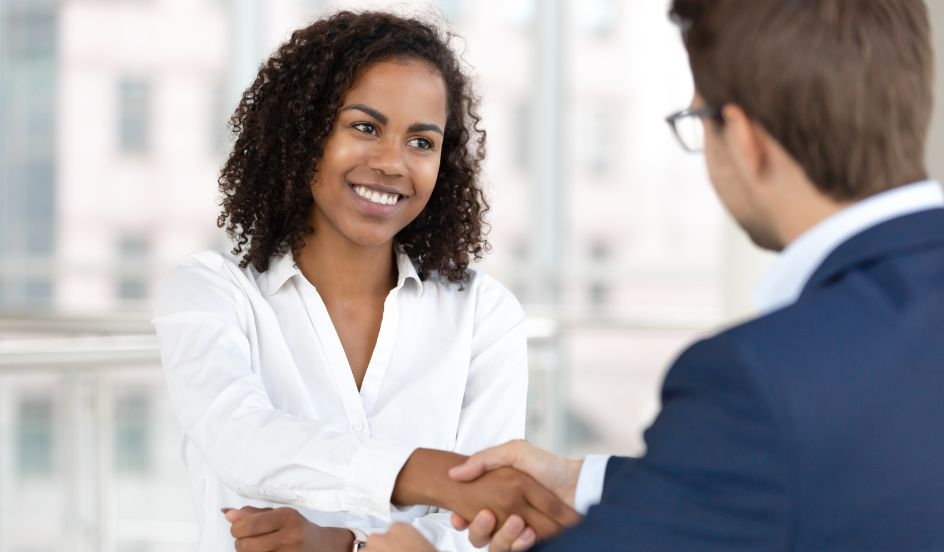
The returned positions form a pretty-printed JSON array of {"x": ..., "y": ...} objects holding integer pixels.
[
  {"x": 557, "y": 474},
  {"x": 400, "y": 538},
  {"x": 513, "y": 536},
  {"x": 503, "y": 490},
  {"x": 284, "y": 530}
]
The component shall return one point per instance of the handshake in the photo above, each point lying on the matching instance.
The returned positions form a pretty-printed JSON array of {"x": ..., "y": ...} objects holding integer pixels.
[{"x": 509, "y": 497}]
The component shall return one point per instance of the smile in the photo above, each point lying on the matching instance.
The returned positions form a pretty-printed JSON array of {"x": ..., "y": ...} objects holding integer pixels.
[{"x": 380, "y": 198}]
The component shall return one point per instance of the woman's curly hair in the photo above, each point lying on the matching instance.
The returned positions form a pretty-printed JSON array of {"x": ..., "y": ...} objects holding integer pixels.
[{"x": 285, "y": 117}]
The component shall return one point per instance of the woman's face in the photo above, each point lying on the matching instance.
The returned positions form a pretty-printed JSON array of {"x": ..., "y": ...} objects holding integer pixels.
[{"x": 381, "y": 159}]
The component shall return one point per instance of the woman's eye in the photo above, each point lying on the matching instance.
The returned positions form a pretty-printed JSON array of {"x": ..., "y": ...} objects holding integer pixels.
[
  {"x": 421, "y": 143},
  {"x": 366, "y": 128}
]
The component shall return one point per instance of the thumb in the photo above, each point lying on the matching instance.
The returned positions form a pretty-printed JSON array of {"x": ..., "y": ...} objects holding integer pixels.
[
  {"x": 471, "y": 469},
  {"x": 484, "y": 461}
]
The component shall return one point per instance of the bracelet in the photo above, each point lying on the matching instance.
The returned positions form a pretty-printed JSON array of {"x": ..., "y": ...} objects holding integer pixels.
[{"x": 360, "y": 539}]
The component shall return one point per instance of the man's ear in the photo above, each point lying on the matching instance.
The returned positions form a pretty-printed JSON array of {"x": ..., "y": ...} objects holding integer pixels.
[{"x": 746, "y": 142}]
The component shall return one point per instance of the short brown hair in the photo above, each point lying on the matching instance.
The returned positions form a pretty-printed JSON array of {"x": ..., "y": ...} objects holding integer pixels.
[{"x": 843, "y": 85}]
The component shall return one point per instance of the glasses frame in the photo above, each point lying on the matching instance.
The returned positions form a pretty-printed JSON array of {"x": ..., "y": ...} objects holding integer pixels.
[{"x": 700, "y": 112}]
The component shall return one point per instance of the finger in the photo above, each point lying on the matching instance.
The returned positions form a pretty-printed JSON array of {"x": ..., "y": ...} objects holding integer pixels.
[
  {"x": 458, "y": 522},
  {"x": 482, "y": 527},
  {"x": 259, "y": 523},
  {"x": 551, "y": 505},
  {"x": 507, "y": 534},
  {"x": 525, "y": 541},
  {"x": 486, "y": 460},
  {"x": 263, "y": 543},
  {"x": 233, "y": 514},
  {"x": 544, "y": 527},
  {"x": 378, "y": 542}
]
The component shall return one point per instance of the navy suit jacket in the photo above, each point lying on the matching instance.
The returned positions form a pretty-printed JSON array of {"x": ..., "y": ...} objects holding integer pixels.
[{"x": 817, "y": 427}]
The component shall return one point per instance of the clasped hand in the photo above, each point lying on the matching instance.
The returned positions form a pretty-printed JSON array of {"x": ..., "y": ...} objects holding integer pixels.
[
  {"x": 527, "y": 494},
  {"x": 526, "y": 524}
]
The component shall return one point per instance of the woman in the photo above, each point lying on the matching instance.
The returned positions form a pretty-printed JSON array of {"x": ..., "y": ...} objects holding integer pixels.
[{"x": 344, "y": 336}]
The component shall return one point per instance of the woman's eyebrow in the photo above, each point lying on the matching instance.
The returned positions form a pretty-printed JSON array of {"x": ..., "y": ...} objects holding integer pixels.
[
  {"x": 415, "y": 127},
  {"x": 420, "y": 127},
  {"x": 368, "y": 110}
]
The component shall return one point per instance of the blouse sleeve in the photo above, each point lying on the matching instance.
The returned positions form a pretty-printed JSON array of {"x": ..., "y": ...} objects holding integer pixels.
[
  {"x": 495, "y": 402},
  {"x": 202, "y": 318}
]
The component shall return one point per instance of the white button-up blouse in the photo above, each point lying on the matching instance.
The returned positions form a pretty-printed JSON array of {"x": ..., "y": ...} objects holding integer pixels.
[{"x": 270, "y": 411}]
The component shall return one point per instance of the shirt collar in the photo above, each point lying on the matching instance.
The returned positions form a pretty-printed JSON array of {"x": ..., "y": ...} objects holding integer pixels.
[
  {"x": 282, "y": 268},
  {"x": 785, "y": 281},
  {"x": 406, "y": 271}
]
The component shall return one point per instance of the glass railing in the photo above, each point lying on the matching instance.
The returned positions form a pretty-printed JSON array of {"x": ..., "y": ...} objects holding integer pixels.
[{"x": 90, "y": 449}]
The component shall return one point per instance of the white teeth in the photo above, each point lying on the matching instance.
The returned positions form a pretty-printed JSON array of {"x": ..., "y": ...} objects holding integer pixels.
[{"x": 381, "y": 198}]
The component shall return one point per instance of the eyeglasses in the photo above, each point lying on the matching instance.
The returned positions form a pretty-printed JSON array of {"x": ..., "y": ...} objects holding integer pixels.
[{"x": 689, "y": 127}]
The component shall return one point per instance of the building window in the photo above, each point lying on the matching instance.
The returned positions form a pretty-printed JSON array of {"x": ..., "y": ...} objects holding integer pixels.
[
  {"x": 134, "y": 101},
  {"x": 596, "y": 17},
  {"x": 599, "y": 252},
  {"x": 599, "y": 294},
  {"x": 523, "y": 135},
  {"x": 451, "y": 9},
  {"x": 133, "y": 433},
  {"x": 219, "y": 118},
  {"x": 34, "y": 437},
  {"x": 598, "y": 291},
  {"x": 133, "y": 255},
  {"x": 37, "y": 292},
  {"x": 522, "y": 12},
  {"x": 597, "y": 132}
]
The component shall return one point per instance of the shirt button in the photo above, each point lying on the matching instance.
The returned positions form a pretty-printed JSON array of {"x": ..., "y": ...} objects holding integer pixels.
[{"x": 358, "y": 427}]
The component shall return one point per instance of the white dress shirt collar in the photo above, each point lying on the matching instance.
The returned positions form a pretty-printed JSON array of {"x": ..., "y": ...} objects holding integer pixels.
[
  {"x": 785, "y": 281},
  {"x": 283, "y": 267}
]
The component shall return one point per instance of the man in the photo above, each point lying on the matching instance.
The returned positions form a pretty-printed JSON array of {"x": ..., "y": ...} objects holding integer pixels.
[{"x": 816, "y": 426}]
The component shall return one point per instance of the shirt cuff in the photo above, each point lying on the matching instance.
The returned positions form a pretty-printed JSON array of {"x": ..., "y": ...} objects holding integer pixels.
[
  {"x": 372, "y": 475},
  {"x": 590, "y": 483}
]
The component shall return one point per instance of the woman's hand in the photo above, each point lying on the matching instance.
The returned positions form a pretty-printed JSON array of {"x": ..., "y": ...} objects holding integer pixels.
[
  {"x": 399, "y": 538},
  {"x": 503, "y": 490},
  {"x": 284, "y": 530}
]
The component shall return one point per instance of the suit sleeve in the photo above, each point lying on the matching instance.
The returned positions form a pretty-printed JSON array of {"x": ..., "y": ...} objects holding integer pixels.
[{"x": 715, "y": 473}]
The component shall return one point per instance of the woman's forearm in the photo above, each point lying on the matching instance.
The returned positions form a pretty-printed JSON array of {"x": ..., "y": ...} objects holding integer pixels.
[{"x": 424, "y": 479}]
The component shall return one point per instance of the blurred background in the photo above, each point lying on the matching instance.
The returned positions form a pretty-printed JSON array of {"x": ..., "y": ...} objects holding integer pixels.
[{"x": 112, "y": 131}]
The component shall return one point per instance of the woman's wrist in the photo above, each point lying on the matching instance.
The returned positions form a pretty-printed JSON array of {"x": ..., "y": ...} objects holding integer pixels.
[
  {"x": 424, "y": 479},
  {"x": 360, "y": 540},
  {"x": 331, "y": 538}
]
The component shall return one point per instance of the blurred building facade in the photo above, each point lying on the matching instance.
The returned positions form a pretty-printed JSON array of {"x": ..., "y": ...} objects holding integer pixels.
[{"x": 112, "y": 131}]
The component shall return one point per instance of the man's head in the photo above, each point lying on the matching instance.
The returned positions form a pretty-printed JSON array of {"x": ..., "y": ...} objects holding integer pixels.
[{"x": 835, "y": 93}]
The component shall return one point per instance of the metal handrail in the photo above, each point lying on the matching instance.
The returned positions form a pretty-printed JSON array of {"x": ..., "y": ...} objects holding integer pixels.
[{"x": 79, "y": 353}]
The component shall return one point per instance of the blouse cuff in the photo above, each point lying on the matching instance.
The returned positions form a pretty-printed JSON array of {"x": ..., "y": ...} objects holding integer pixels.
[{"x": 371, "y": 477}]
